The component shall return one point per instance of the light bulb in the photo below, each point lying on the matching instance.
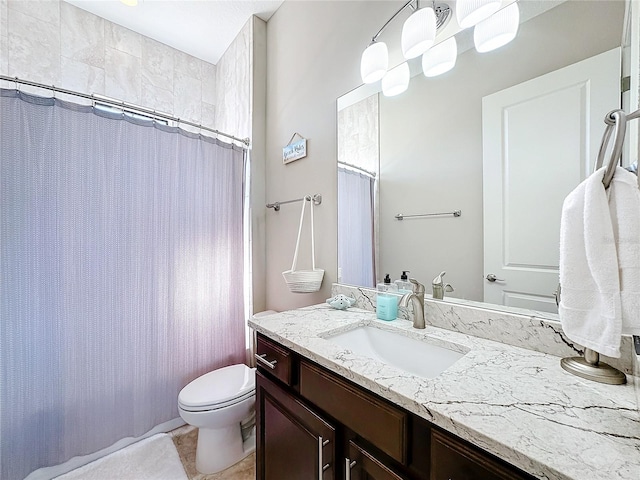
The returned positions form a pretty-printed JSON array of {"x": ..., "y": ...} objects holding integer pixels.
[
  {"x": 441, "y": 58},
  {"x": 497, "y": 30},
  {"x": 418, "y": 32},
  {"x": 374, "y": 62},
  {"x": 470, "y": 12},
  {"x": 396, "y": 80}
]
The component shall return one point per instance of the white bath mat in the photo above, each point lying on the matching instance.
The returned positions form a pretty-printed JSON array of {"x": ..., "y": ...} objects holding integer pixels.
[{"x": 154, "y": 458}]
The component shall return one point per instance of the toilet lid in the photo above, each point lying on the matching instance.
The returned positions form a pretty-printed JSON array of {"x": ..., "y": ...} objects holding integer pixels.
[{"x": 218, "y": 387}]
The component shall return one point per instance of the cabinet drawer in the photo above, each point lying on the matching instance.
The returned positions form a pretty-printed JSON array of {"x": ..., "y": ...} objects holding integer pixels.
[
  {"x": 372, "y": 419},
  {"x": 452, "y": 459},
  {"x": 361, "y": 465},
  {"x": 274, "y": 360}
]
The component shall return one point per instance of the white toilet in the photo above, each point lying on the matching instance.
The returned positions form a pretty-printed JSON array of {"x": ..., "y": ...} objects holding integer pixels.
[{"x": 221, "y": 404}]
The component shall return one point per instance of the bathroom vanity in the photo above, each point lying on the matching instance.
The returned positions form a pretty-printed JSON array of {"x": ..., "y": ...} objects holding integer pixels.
[
  {"x": 327, "y": 427},
  {"x": 497, "y": 412}
]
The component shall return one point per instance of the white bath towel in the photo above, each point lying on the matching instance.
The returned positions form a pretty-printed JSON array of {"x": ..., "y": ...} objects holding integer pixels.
[
  {"x": 624, "y": 205},
  {"x": 590, "y": 309}
]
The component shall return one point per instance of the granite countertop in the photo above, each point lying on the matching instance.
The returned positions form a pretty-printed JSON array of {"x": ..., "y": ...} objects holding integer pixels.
[{"x": 515, "y": 403}]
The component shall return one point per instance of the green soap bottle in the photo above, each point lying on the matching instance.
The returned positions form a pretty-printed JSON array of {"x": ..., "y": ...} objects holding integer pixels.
[{"x": 387, "y": 300}]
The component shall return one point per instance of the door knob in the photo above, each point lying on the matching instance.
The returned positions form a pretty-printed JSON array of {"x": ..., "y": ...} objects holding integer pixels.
[{"x": 492, "y": 278}]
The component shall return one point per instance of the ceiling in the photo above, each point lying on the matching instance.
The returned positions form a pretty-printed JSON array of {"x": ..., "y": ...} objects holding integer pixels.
[{"x": 202, "y": 28}]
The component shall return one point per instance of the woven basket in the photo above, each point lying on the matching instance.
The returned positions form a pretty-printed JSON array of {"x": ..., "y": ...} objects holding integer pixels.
[{"x": 304, "y": 281}]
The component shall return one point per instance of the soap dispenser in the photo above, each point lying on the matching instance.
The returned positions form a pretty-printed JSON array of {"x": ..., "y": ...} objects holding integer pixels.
[
  {"x": 404, "y": 285},
  {"x": 387, "y": 300}
]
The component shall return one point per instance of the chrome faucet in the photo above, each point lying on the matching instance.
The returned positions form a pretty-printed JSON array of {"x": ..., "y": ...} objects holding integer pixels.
[
  {"x": 439, "y": 287},
  {"x": 417, "y": 301}
]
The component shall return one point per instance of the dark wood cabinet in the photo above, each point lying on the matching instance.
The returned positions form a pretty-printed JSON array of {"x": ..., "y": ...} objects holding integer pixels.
[
  {"x": 375, "y": 420},
  {"x": 293, "y": 442},
  {"x": 452, "y": 459},
  {"x": 314, "y": 424},
  {"x": 363, "y": 465}
]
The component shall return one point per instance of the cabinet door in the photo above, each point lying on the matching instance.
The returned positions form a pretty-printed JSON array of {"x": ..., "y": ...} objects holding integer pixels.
[
  {"x": 452, "y": 459},
  {"x": 381, "y": 424},
  {"x": 362, "y": 465},
  {"x": 294, "y": 443}
]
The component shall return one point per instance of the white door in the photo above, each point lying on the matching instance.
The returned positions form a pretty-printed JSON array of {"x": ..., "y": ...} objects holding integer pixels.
[{"x": 540, "y": 140}]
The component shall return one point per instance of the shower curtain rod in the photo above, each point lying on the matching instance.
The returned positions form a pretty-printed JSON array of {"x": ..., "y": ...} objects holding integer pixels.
[
  {"x": 359, "y": 170},
  {"x": 123, "y": 104}
]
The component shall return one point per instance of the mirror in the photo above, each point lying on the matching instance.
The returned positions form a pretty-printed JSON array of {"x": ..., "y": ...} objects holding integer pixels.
[{"x": 421, "y": 152}]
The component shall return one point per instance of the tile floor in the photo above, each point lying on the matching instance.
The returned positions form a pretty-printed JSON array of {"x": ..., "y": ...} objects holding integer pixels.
[{"x": 185, "y": 439}]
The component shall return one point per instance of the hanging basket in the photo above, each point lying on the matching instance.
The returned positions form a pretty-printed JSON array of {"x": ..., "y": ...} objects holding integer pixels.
[{"x": 304, "y": 281}]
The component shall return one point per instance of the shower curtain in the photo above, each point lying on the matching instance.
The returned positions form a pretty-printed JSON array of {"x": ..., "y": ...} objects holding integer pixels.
[
  {"x": 356, "y": 223},
  {"x": 121, "y": 279}
]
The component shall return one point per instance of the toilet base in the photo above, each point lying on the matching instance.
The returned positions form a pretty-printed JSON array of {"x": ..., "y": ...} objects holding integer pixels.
[{"x": 219, "y": 448}]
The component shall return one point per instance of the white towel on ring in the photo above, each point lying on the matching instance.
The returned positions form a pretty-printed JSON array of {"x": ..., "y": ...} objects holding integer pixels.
[
  {"x": 590, "y": 309},
  {"x": 624, "y": 205}
]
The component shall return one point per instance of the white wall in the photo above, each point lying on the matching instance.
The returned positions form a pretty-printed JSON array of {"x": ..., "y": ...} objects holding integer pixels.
[
  {"x": 313, "y": 51},
  {"x": 258, "y": 77}
]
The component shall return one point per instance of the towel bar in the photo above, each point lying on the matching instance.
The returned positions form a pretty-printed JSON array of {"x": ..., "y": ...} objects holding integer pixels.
[{"x": 590, "y": 368}]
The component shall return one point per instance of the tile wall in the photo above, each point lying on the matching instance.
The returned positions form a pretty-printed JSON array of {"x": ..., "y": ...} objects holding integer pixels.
[
  {"x": 233, "y": 86},
  {"x": 56, "y": 43}
]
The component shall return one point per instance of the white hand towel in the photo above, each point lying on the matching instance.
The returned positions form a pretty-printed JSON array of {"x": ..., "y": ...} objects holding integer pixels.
[
  {"x": 590, "y": 309},
  {"x": 624, "y": 205}
]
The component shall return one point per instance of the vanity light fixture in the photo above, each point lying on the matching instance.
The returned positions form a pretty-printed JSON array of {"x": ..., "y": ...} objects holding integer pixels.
[
  {"x": 374, "y": 62},
  {"x": 494, "y": 27},
  {"x": 396, "y": 80},
  {"x": 130, "y": 3},
  {"x": 497, "y": 30},
  {"x": 471, "y": 12},
  {"x": 418, "y": 32},
  {"x": 441, "y": 58}
]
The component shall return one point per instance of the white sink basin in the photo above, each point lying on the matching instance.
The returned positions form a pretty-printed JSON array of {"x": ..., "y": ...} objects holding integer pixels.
[{"x": 412, "y": 356}]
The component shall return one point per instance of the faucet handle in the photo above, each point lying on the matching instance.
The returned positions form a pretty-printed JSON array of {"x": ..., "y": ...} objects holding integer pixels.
[
  {"x": 439, "y": 287},
  {"x": 418, "y": 288},
  {"x": 438, "y": 280}
]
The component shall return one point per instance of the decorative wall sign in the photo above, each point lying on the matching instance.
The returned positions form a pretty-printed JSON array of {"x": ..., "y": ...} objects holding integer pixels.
[{"x": 294, "y": 151}]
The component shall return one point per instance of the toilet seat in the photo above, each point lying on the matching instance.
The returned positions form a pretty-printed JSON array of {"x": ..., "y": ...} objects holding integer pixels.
[{"x": 218, "y": 389}]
